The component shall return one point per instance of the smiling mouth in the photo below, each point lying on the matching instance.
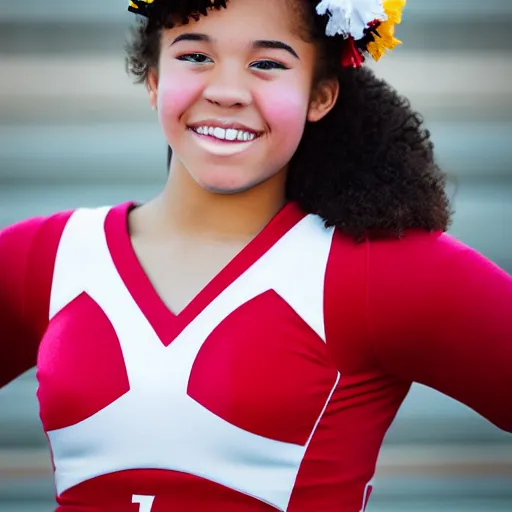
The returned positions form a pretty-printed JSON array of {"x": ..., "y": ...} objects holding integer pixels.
[{"x": 232, "y": 135}]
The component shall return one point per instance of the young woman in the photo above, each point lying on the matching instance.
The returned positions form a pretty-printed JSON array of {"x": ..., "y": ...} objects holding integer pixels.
[{"x": 243, "y": 341}]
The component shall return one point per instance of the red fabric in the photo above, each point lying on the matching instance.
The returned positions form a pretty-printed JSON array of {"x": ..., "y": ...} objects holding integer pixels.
[
  {"x": 441, "y": 314},
  {"x": 239, "y": 357},
  {"x": 76, "y": 380},
  {"x": 27, "y": 253}
]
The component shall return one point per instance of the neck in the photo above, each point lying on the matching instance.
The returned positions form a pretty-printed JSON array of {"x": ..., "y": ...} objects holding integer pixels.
[{"x": 192, "y": 210}]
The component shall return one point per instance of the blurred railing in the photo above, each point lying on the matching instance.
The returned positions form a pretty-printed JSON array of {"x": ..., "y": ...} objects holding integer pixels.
[{"x": 75, "y": 132}]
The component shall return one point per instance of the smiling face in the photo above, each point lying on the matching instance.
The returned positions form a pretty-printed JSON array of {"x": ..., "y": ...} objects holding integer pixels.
[{"x": 233, "y": 92}]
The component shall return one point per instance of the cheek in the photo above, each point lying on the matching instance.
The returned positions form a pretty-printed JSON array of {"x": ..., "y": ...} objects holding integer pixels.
[
  {"x": 285, "y": 109},
  {"x": 176, "y": 93}
]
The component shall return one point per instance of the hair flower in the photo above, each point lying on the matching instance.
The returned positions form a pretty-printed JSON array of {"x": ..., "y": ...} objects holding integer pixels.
[
  {"x": 367, "y": 25},
  {"x": 384, "y": 35}
]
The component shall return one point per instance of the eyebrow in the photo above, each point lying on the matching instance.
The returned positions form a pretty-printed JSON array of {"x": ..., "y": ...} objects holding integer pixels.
[
  {"x": 277, "y": 45},
  {"x": 260, "y": 44},
  {"x": 192, "y": 37}
]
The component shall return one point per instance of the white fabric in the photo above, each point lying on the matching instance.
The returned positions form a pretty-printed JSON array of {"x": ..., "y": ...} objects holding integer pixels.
[{"x": 350, "y": 17}]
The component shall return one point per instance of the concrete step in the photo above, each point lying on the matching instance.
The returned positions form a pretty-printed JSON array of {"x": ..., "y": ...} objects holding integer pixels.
[
  {"x": 419, "y": 32},
  {"x": 95, "y": 11}
]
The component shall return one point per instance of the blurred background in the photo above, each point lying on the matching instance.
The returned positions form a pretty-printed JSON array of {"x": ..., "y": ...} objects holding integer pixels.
[{"x": 75, "y": 132}]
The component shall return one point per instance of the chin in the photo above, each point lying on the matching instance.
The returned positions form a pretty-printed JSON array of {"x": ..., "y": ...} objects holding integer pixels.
[
  {"x": 224, "y": 187},
  {"x": 216, "y": 189}
]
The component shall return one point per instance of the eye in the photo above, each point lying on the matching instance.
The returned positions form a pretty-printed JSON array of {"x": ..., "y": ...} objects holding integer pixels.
[
  {"x": 196, "y": 58},
  {"x": 267, "y": 65}
]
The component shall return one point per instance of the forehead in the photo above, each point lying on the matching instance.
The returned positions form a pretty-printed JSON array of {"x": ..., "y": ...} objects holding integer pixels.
[{"x": 247, "y": 20}]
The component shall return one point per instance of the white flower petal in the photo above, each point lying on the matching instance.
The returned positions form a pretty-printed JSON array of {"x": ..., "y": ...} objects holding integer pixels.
[{"x": 350, "y": 17}]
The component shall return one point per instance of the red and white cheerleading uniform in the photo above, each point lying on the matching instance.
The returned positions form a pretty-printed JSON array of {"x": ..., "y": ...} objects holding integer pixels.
[{"x": 272, "y": 390}]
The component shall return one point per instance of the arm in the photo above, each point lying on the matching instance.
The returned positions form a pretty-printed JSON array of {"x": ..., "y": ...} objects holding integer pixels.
[
  {"x": 440, "y": 314},
  {"x": 27, "y": 254}
]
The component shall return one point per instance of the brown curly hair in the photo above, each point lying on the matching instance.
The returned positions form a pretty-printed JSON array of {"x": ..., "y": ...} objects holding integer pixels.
[{"x": 368, "y": 167}]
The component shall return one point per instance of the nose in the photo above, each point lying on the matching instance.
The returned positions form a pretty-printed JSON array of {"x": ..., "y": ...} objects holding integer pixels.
[{"x": 227, "y": 88}]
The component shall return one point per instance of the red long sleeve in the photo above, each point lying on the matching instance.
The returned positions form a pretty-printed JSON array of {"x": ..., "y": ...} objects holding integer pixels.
[
  {"x": 441, "y": 314},
  {"x": 27, "y": 254}
]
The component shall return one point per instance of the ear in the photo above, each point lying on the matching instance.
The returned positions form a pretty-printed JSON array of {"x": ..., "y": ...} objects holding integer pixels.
[
  {"x": 323, "y": 99},
  {"x": 152, "y": 87}
]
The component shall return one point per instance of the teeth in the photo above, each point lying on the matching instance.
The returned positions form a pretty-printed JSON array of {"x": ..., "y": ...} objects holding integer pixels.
[
  {"x": 219, "y": 133},
  {"x": 231, "y": 134},
  {"x": 223, "y": 134}
]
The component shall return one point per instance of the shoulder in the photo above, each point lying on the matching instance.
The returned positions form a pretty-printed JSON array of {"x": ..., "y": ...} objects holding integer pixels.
[
  {"x": 410, "y": 273},
  {"x": 391, "y": 259},
  {"x": 29, "y": 247},
  {"x": 417, "y": 252},
  {"x": 416, "y": 241},
  {"x": 29, "y": 252},
  {"x": 432, "y": 275},
  {"x": 422, "y": 253},
  {"x": 18, "y": 240},
  {"x": 43, "y": 230}
]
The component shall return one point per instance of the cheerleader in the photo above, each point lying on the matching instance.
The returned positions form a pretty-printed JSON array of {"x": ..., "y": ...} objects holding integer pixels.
[{"x": 243, "y": 341}]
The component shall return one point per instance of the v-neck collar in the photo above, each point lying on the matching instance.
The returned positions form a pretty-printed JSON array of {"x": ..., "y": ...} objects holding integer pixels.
[{"x": 166, "y": 324}]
